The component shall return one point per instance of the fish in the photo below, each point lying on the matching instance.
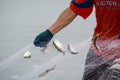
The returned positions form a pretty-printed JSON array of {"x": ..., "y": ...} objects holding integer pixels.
[
  {"x": 71, "y": 49},
  {"x": 117, "y": 61},
  {"x": 115, "y": 66},
  {"x": 27, "y": 54},
  {"x": 59, "y": 46},
  {"x": 95, "y": 42},
  {"x": 47, "y": 71}
]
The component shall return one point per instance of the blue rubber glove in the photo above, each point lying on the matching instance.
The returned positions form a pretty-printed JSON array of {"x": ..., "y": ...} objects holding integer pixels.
[{"x": 43, "y": 39}]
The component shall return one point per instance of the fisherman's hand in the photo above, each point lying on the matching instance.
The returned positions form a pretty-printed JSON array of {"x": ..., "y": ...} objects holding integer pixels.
[{"x": 43, "y": 39}]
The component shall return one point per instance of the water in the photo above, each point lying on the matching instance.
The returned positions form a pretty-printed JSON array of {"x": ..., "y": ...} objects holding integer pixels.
[
  {"x": 21, "y": 21},
  {"x": 63, "y": 68}
]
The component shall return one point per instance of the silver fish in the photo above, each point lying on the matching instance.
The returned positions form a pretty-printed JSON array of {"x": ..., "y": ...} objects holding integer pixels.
[
  {"x": 47, "y": 71},
  {"x": 95, "y": 42},
  {"x": 116, "y": 61},
  {"x": 71, "y": 49},
  {"x": 115, "y": 66},
  {"x": 59, "y": 46}
]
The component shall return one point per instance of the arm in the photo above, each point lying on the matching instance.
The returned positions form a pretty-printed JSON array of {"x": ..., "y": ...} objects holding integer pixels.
[{"x": 66, "y": 17}]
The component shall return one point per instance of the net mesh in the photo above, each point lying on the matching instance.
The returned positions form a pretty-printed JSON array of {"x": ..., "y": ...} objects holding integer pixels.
[
  {"x": 100, "y": 59},
  {"x": 109, "y": 48}
]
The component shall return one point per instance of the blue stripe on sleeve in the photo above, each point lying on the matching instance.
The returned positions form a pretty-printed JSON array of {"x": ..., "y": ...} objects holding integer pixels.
[{"x": 86, "y": 4}]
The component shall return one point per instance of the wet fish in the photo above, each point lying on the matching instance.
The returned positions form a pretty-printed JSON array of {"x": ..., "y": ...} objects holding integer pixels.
[
  {"x": 27, "y": 54},
  {"x": 47, "y": 71},
  {"x": 59, "y": 46},
  {"x": 117, "y": 61},
  {"x": 95, "y": 42},
  {"x": 115, "y": 66},
  {"x": 71, "y": 49}
]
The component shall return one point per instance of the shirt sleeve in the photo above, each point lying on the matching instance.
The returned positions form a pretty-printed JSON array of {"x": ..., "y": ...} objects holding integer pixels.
[{"x": 82, "y": 7}]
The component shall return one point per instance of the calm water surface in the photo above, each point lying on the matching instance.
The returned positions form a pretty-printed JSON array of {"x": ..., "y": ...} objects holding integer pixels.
[{"x": 22, "y": 20}]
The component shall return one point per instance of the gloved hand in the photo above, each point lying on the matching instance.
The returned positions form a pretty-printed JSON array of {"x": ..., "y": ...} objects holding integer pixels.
[{"x": 43, "y": 39}]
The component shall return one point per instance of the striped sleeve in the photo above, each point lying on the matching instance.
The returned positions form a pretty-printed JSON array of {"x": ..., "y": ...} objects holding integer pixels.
[{"x": 82, "y": 7}]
